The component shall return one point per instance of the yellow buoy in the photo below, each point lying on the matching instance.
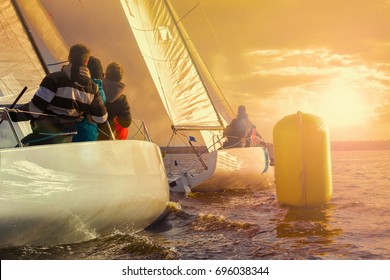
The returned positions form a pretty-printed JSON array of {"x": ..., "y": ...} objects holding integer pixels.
[{"x": 303, "y": 172}]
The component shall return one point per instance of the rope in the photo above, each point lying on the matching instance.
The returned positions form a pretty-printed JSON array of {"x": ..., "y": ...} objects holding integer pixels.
[
  {"x": 52, "y": 135},
  {"x": 138, "y": 131},
  {"x": 186, "y": 144},
  {"x": 102, "y": 132},
  {"x": 31, "y": 112}
]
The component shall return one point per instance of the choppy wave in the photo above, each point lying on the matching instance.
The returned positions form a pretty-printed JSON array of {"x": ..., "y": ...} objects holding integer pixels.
[{"x": 113, "y": 246}]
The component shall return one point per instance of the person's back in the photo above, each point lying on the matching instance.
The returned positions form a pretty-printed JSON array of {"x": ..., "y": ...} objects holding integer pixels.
[
  {"x": 87, "y": 130},
  {"x": 242, "y": 133},
  {"x": 238, "y": 130},
  {"x": 61, "y": 100},
  {"x": 118, "y": 108}
]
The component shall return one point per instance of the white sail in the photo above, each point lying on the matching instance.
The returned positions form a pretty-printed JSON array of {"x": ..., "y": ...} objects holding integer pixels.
[
  {"x": 19, "y": 64},
  {"x": 174, "y": 65},
  {"x": 69, "y": 192},
  {"x": 45, "y": 32},
  {"x": 192, "y": 100},
  {"x": 19, "y": 67}
]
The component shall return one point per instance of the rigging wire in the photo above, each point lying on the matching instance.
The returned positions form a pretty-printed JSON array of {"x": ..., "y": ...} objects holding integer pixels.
[
  {"x": 215, "y": 37},
  {"x": 197, "y": 61},
  {"x": 185, "y": 15},
  {"x": 223, "y": 51}
]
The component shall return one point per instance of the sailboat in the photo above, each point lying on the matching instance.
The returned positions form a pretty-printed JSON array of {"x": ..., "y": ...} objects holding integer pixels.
[
  {"x": 193, "y": 101},
  {"x": 72, "y": 192}
]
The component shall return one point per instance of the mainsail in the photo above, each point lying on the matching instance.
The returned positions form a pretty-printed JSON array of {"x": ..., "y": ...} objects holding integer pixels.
[
  {"x": 45, "y": 33},
  {"x": 180, "y": 76},
  {"x": 20, "y": 65}
]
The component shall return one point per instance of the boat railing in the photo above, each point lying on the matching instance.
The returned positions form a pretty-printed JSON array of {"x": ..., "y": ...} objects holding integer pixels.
[
  {"x": 137, "y": 131},
  {"x": 12, "y": 126}
]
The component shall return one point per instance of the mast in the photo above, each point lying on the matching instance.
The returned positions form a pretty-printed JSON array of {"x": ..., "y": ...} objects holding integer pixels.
[
  {"x": 181, "y": 32},
  {"x": 29, "y": 35}
]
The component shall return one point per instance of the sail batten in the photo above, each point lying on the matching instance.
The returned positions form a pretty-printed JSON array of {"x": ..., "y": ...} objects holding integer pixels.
[{"x": 177, "y": 79}]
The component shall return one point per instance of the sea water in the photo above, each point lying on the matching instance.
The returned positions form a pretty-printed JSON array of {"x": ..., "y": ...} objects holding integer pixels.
[{"x": 251, "y": 224}]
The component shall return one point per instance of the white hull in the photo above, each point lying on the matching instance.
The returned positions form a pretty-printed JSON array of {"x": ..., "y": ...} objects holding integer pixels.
[
  {"x": 66, "y": 193},
  {"x": 238, "y": 168}
]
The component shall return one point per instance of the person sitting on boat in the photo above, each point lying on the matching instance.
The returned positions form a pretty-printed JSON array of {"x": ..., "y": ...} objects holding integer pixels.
[
  {"x": 87, "y": 130},
  {"x": 61, "y": 100},
  {"x": 238, "y": 131},
  {"x": 119, "y": 115}
]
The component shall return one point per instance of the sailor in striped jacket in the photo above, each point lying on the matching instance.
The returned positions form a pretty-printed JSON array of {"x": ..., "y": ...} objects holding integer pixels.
[{"x": 61, "y": 101}]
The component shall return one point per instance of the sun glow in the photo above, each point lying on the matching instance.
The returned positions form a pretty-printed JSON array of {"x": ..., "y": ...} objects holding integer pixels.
[{"x": 341, "y": 104}]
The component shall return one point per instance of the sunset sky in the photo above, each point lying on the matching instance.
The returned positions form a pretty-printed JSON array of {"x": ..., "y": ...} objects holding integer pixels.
[
  {"x": 330, "y": 58},
  {"x": 326, "y": 57}
]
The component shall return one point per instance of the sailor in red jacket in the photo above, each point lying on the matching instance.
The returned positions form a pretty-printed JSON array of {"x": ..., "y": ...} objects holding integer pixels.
[
  {"x": 60, "y": 102},
  {"x": 119, "y": 115}
]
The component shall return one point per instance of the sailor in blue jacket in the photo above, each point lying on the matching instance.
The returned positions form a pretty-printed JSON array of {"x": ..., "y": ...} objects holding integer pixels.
[
  {"x": 61, "y": 101},
  {"x": 86, "y": 129}
]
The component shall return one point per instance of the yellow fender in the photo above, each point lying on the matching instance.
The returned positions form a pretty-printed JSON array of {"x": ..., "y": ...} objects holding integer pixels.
[{"x": 303, "y": 172}]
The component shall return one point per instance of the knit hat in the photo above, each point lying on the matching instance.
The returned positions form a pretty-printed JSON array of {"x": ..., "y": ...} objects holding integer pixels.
[{"x": 95, "y": 67}]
